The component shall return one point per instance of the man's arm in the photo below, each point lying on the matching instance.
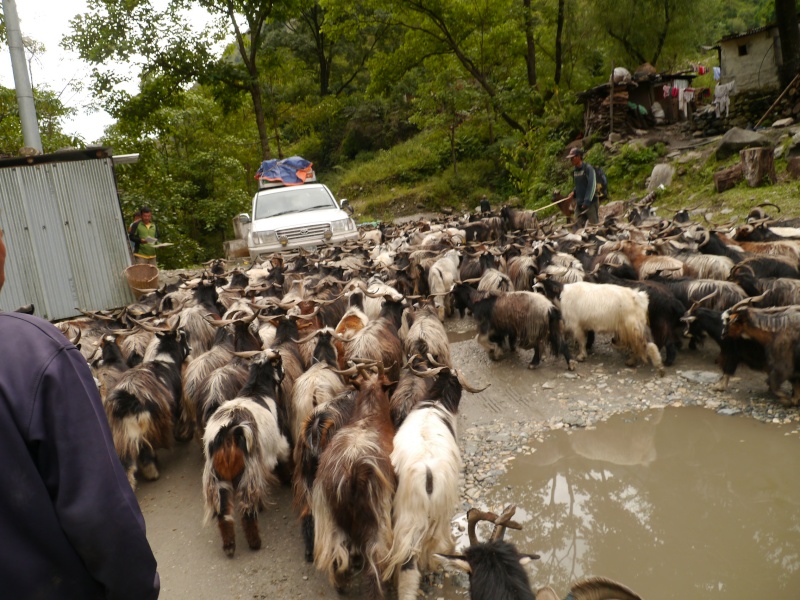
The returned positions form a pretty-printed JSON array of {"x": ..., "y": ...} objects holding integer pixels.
[
  {"x": 92, "y": 497},
  {"x": 591, "y": 186}
]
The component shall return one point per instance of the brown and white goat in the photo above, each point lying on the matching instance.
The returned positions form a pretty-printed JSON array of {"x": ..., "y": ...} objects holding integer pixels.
[
  {"x": 353, "y": 491},
  {"x": 427, "y": 461},
  {"x": 245, "y": 444}
]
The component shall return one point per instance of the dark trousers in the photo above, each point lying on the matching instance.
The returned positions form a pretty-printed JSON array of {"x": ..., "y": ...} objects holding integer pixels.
[{"x": 588, "y": 213}]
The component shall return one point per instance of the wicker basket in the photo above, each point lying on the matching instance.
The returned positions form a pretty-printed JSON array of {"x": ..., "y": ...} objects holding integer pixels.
[{"x": 141, "y": 279}]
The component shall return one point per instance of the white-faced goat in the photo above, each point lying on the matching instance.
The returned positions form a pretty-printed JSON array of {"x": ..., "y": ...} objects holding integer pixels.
[
  {"x": 353, "y": 490},
  {"x": 427, "y": 462},
  {"x": 246, "y": 443},
  {"x": 144, "y": 406}
]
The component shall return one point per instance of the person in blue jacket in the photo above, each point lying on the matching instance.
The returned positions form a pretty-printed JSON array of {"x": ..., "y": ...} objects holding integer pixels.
[
  {"x": 585, "y": 192},
  {"x": 70, "y": 525}
]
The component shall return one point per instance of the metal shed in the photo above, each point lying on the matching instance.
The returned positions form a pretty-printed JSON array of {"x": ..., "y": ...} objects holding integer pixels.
[{"x": 65, "y": 233}]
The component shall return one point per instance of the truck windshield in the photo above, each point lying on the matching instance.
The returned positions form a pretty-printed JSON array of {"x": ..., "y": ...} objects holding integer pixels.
[{"x": 296, "y": 199}]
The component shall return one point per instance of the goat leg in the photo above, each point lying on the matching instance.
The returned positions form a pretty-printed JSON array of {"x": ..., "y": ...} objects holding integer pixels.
[
  {"x": 225, "y": 522},
  {"x": 147, "y": 463},
  {"x": 408, "y": 580},
  {"x": 250, "y": 526},
  {"x": 308, "y": 536}
]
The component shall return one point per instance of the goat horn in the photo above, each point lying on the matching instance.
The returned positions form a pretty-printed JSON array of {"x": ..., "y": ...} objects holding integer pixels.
[
  {"x": 247, "y": 353},
  {"x": 150, "y": 328},
  {"x": 746, "y": 301},
  {"x": 504, "y": 522},
  {"x": 475, "y": 516},
  {"x": 770, "y": 204},
  {"x": 77, "y": 338},
  {"x": 432, "y": 360},
  {"x": 307, "y": 338},
  {"x": 467, "y": 386}
]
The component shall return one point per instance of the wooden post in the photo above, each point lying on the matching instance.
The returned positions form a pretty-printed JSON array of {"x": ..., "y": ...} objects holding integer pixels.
[
  {"x": 783, "y": 93},
  {"x": 611, "y": 102}
]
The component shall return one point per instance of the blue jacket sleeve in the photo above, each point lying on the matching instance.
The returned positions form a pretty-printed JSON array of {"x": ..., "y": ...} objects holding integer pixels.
[{"x": 92, "y": 498}]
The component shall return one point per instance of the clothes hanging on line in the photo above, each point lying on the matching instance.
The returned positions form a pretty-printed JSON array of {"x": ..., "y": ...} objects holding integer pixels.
[{"x": 717, "y": 73}]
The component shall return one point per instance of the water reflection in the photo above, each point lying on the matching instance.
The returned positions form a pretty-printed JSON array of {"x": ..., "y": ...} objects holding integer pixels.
[{"x": 678, "y": 503}]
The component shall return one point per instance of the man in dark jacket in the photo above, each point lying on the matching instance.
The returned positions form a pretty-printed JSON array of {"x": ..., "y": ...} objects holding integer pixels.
[
  {"x": 585, "y": 192},
  {"x": 70, "y": 525}
]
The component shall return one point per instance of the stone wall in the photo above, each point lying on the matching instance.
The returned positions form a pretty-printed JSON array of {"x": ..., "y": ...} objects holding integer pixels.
[{"x": 746, "y": 110}]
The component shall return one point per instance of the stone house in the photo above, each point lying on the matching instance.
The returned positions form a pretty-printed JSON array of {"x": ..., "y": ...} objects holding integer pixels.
[{"x": 751, "y": 58}]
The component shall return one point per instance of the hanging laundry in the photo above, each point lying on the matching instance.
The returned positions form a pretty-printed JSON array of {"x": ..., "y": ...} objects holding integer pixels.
[
  {"x": 667, "y": 91},
  {"x": 688, "y": 96},
  {"x": 701, "y": 70},
  {"x": 717, "y": 73},
  {"x": 722, "y": 100}
]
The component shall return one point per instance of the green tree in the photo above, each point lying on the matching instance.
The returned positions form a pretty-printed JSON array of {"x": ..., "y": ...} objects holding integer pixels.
[
  {"x": 50, "y": 112},
  {"x": 195, "y": 170},
  {"x": 169, "y": 55}
]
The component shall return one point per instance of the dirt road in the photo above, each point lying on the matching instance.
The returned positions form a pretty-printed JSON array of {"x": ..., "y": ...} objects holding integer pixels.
[{"x": 193, "y": 566}]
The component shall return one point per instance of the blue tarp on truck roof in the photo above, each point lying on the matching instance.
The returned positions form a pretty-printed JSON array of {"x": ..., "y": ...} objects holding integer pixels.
[{"x": 294, "y": 170}]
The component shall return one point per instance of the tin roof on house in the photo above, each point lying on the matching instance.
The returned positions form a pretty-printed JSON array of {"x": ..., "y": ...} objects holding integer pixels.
[
  {"x": 58, "y": 156},
  {"x": 748, "y": 33}
]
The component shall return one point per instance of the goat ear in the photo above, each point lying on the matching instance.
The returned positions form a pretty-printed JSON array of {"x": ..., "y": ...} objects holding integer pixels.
[
  {"x": 524, "y": 559},
  {"x": 457, "y": 561}
]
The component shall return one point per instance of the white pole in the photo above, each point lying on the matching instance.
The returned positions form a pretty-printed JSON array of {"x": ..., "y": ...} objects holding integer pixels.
[{"x": 27, "y": 109}]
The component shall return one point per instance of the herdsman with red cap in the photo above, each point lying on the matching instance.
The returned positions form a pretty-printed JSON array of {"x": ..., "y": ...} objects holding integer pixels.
[
  {"x": 585, "y": 192},
  {"x": 70, "y": 525}
]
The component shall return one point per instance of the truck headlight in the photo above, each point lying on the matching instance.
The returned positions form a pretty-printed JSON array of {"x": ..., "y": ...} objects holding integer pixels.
[
  {"x": 265, "y": 237},
  {"x": 343, "y": 225}
]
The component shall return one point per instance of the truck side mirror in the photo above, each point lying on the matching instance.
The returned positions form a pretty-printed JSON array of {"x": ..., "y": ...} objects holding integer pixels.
[
  {"x": 244, "y": 218},
  {"x": 346, "y": 205}
]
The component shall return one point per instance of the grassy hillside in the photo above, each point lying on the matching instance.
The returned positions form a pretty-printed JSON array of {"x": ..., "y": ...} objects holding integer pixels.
[{"x": 417, "y": 176}]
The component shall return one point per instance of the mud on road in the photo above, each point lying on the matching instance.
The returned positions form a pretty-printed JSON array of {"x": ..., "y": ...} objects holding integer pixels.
[{"x": 495, "y": 426}]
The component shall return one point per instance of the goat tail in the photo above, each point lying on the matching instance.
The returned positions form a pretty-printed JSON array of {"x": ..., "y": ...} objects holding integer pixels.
[
  {"x": 655, "y": 358},
  {"x": 421, "y": 520}
]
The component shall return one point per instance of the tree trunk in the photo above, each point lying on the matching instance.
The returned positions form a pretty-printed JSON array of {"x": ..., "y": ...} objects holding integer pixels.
[
  {"x": 727, "y": 178},
  {"x": 559, "y": 33},
  {"x": 786, "y": 16},
  {"x": 662, "y": 37},
  {"x": 261, "y": 122},
  {"x": 758, "y": 164},
  {"x": 530, "y": 55}
]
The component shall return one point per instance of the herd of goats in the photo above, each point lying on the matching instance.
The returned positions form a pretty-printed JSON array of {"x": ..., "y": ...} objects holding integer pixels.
[{"x": 331, "y": 370}]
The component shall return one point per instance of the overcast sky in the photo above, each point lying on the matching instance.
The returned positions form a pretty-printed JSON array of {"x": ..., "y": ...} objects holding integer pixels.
[{"x": 47, "y": 22}]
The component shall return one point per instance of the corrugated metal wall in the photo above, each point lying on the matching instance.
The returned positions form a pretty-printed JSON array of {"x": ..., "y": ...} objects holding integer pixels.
[{"x": 66, "y": 239}]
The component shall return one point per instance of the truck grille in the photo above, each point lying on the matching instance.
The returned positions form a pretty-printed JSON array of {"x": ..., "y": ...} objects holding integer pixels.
[{"x": 304, "y": 232}]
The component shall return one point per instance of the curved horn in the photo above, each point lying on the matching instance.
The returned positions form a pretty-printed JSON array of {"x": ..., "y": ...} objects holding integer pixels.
[
  {"x": 77, "y": 338},
  {"x": 467, "y": 386},
  {"x": 150, "y": 328},
  {"x": 475, "y": 516},
  {"x": 247, "y": 353},
  {"x": 504, "y": 522},
  {"x": 746, "y": 301},
  {"x": 308, "y": 337},
  {"x": 770, "y": 204}
]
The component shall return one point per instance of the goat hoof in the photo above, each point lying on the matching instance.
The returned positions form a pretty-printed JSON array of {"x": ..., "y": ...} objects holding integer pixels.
[
  {"x": 718, "y": 388},
  {"x": 532, "y": 366},
  {"x": 230, "y": 550},
  {"x": 572, "y": 365},
  {"x": 661, "y": 372},
  {"x": 309, "y": 557}
]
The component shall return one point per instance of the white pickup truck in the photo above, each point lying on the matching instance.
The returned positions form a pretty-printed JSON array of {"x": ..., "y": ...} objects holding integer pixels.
[{"x": 296, "y": 216}]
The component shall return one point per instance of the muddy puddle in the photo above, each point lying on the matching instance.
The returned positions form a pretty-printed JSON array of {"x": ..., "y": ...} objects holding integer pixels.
[{"x": 675, "y": 503}]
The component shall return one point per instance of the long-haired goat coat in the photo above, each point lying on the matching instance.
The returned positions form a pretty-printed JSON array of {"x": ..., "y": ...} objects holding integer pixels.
[
  {"x": 427, "y": 461},
  {"x": 525, "y": 319},
  {"x": 144, "y": 406},
  {"x": 353, "y": 491},
  {"x": 244, "y": 443},
  {"x": 608, "y": 308}
]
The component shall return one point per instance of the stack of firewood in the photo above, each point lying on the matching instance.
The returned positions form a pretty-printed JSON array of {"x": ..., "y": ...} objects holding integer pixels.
[{"x": 597, "y": 118}]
